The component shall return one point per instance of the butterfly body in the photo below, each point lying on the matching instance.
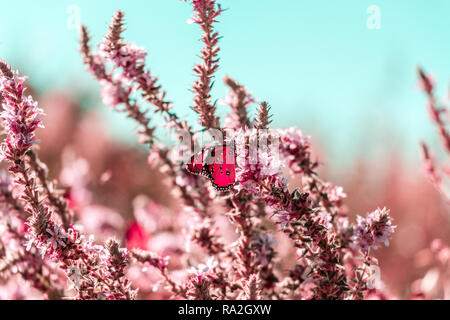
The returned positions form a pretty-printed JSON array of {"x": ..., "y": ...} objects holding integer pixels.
[{"x": 217, "y": 163}]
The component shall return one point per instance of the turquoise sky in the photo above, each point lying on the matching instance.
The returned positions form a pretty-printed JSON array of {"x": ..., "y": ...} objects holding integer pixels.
[{"x": 316, "y": 62}]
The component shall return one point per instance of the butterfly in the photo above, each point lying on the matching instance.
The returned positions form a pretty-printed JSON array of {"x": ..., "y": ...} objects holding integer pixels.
[{"x": 216, "y": 163}]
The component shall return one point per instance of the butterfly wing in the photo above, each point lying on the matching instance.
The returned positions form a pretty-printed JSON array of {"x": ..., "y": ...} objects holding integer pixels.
[
  {"x": 220, "y": 166},
  {"x": 196, "y": 165},
  {"x": 222, "y": 176}
]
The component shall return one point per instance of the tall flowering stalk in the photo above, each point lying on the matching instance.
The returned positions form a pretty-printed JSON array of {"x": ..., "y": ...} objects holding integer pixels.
[
  {"x": 205, "y": 15},
  {"x": 14, "y": 259},
  {"x": 263, "y": 120},
  {"x": 434, "y": 283},
  {"x": 238, "y": 100},
  {"x": 437, "y": 112}
]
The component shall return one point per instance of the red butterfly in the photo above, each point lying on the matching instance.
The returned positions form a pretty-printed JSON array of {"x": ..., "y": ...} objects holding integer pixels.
[{"x": 216, "y": 163}]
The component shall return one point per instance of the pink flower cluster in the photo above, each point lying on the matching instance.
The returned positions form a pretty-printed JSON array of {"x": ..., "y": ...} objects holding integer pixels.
[
  {"x": 437, "y": 111},
  {"x": 373, "y": 230},
  {"x": 20, "y": 115}
]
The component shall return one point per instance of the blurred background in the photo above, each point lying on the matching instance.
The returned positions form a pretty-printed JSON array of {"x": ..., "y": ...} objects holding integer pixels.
[{"x": 343, "y": 71}]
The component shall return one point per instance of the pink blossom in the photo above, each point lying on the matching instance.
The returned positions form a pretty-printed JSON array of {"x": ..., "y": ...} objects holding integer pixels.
[
  {"x": 203, "y": 271},
  {"x": 336, "y": 194},
  {"x": 137, "y": 237},
  {"x": 20, "y": 116},
  {"x": 113, "y": 94},
  {"x": 375, "y": 229},
  {"x": 263, "y": 245}
]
